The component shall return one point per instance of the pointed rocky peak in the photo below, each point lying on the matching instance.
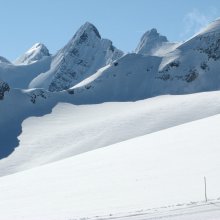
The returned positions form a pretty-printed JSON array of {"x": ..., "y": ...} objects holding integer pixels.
[
  {"x": 89, "y": 28},
  {"x": 85, "y": 34},
  {"x": 37, "y": 52},
  {"x": 4, "y": 60},
  {"x": 149, "y": 42}
]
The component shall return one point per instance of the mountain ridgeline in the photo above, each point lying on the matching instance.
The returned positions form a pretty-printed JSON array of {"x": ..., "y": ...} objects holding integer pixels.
[{"x": 90, "y": 69}]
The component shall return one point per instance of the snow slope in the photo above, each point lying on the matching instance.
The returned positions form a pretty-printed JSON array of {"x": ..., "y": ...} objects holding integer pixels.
[
  {"x": 72, "y": 129},
  {"x": 158, "y": 169},
  {"x": 19, "y": 76}
]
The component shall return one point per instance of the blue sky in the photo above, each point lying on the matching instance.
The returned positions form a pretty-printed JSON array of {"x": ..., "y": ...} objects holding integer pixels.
[{"x": 53, "y": 22}]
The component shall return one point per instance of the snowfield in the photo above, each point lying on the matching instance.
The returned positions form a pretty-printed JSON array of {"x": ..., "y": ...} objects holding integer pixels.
[
  {"x": 159, "y": 169},
  {"x": 72, "y": 129}
]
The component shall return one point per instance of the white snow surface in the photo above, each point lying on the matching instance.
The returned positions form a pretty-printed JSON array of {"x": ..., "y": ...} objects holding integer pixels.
[
  {"x": 72, "y": 129},
  {"x": 156, "y": 170},
  {"x": 19, "y": 76}
]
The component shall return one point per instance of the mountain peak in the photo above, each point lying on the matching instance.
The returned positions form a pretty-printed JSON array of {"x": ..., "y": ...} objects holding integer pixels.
[
  {"x": 82, "y": 56},
  {"x": 88, "y": 28},
  {"x": 152, "y": 31},
  {"x": 150, "y": 41},
  {"x": 4, "y": 60},
  {"x": 38, "y": 45},
  {"x": 35, "y": 53}
]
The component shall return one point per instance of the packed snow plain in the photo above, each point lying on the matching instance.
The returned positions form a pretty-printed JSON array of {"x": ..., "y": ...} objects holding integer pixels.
[{"x": 159, "y": 169}]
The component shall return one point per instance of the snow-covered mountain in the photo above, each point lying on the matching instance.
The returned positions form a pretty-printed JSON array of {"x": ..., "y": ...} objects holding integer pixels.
[
  {"x": 162, "y": 145},
  {"x": 37, "y": 52},
  {"x": 190, "y": 67},
  {"x": 85, "y": 53}
]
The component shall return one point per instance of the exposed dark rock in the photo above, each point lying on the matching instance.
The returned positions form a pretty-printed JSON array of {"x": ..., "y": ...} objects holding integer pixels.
[
  {"x": 211, "y": 46},
  {"x": 4, "y": 87},
  {"x": 36, "y": 94},
  {"x": 164, "y": 77},
  {"x": 191, "y": 76},
  {"x": 83, "y": 38},
  {"x": 204, "y": 66}
]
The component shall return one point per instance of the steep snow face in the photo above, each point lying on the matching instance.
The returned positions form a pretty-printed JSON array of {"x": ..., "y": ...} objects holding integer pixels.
[
  {"x": 4, "y": 60},
  {"x": 129, "y": 78},
  {"x": 150, "y": 42},
  {"x": 37, "y": 52},
  {"x": 85, "y": 53}
]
